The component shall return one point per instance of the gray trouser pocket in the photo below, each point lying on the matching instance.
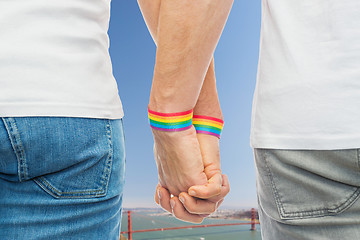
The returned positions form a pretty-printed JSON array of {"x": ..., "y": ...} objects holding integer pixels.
[{"x": 306, "y": 184}]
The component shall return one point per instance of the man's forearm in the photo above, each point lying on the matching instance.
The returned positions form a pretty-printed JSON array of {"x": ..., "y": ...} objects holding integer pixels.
[
  {"x": 208, "y": 102},
  {"x": 187, "y": 34},
  {"x": 150, "y": 11}
]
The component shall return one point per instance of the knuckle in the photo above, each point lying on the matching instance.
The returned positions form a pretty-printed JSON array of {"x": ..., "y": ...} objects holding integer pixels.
[
  {"x": 206, "y": 192},
  {"x": 191, "y": 208},
  {"x": 173, "y": 190},
  {"x": 178, "y": 215},
  {"x": 167, "y": 210},
  {"x": 218, "y": 190},
  {"x": 162, "y": 205}
]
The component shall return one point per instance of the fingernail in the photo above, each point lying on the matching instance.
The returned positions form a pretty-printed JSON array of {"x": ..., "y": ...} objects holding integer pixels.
[
  {"x": 182, "y": 200},
  {"x": 172, "y": 203},
  {"x": 159, "y": 194},
  {"x": 192, "y": 193}
]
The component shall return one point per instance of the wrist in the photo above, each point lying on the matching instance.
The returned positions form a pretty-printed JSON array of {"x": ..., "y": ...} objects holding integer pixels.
[
  {"x": 208, "y": 125},
  {"x": 168, "y": 105},
  {"x": 170, "y": 122},
  {"x": 208, "y": 104},
  {"x": 170, "y": 99},
  {"x": 209, "y": 111}
]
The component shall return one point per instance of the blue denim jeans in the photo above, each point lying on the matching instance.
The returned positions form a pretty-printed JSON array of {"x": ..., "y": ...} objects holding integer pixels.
[
  {"x": 61, "y": 178},
  {"x": 308, "y": 195}
]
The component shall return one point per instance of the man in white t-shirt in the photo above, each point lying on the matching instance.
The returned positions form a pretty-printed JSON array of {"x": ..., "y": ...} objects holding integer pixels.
[{"x": 306, "y": 120}]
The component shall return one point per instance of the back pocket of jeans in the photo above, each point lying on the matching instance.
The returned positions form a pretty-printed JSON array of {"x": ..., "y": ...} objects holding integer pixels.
[
  {"x": 82, "y": 169},
  {"x": 300, "y": 193}
]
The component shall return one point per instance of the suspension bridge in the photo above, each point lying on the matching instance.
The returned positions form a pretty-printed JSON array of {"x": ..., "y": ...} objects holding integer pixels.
[{"x": 130, "y": 230}]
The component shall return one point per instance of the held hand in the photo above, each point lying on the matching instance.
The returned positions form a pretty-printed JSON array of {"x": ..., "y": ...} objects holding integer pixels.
[
  {"x": 188, "y": 208},
  {"x": 204, "y": 199},
  {"x": 179, "y": 161}
]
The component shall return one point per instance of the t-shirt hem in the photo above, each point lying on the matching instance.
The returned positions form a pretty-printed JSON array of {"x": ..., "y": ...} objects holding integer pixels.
[
  {"x": 306, "y": 143},
  {"x": 61, "y": 111}
]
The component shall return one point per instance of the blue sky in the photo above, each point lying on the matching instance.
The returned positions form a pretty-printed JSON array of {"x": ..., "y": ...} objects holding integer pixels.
[{"x": 133, "y": 56}]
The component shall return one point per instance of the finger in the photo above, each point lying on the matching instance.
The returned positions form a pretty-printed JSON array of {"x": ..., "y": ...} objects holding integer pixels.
[
  {"x": 225, "y": 189},
  {"x": 164, "y": 199},
  {"x": 211, "y": 189},
  {"x": 180, "y": 212},
  {"x": 205, "y": 206},
  {"x": 219, "y": 203},
  {"x": 157, "y": 199},
  {"x": 196, "y": 205}
]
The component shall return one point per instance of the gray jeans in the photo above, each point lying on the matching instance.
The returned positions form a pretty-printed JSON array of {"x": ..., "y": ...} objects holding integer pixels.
[{"x": 308, "y": 194}]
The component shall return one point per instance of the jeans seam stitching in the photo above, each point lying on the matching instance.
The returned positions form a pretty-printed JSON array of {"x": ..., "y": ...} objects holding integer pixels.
[
  {"x": 18, "y": 148},
  {"x": 108, "y": 163},
  {"x": 48, "y": 184},
  {"x": 324, "y": 211},
  {"x": 274, "y": 189},
  {"x": 59, "y": 196},
  {"x": 23, "y": 162}
]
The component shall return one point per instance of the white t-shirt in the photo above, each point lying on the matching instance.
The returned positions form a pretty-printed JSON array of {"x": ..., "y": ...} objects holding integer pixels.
[
  {"x": 54, "y": 59},
  {"x": 308, "y": 87}
]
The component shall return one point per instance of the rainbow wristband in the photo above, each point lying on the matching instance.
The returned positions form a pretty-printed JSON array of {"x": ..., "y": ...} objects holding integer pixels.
[
  {"x": 208, "y": 125},
  {"x": 170, "y": 122}
]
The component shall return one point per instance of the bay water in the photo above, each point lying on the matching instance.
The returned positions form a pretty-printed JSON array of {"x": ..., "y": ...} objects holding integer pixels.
[{"x": 150, "y": 220}]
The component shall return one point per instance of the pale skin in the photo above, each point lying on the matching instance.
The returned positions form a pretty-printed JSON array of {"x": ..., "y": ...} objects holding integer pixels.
[{"x": 186, "y": 33}]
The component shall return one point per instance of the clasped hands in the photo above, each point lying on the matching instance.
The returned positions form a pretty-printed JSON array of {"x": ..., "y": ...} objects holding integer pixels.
[{"x": 191, "y": 185}]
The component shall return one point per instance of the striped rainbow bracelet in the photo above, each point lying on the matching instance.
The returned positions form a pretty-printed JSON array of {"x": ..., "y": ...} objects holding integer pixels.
[
  {"x": 170, "y": 122},
  {"x": 208, "y": 125}
]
